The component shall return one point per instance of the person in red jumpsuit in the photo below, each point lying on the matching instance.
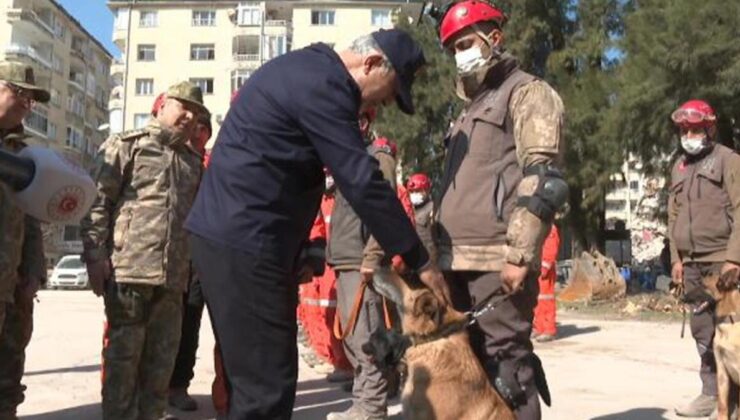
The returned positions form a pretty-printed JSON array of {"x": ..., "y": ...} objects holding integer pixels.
[{"x": 544, "y": 328}]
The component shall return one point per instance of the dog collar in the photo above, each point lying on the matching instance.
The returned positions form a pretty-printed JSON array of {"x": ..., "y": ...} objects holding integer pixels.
[{"x": 444, "y": 332}]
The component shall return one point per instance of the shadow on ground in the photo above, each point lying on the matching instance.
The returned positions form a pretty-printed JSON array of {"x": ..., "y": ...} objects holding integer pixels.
[
  {"x": 569, "y": 330},
  {"x": 314, "y": 400},
  {"x": 72, "y": 369},
  {"x": 636, "y": 414},
  {"x": 84, "y": 412}
]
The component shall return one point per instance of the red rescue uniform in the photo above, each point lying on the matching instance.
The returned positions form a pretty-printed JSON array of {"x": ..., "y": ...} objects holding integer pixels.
[{"x": 544, "y": 313}]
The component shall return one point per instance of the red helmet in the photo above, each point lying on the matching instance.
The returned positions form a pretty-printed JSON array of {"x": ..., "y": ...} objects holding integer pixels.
[
  {"x": 468, "y": 13},
  {"x": 694, "y": 113},
  {"x": 418, "y": 182},
  {"x": 383, "y": 142},
  {"x": 158, "y": 103}
]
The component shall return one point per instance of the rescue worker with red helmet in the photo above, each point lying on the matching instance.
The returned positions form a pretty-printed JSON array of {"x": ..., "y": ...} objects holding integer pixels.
[
  {"x": 500, "y": 192},
  {"x": 703, "y": 229},
  {"x": 420, "y": 192}
]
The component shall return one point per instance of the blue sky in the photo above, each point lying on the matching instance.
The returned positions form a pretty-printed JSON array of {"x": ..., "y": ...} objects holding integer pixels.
[{"x": 97, "y": 19}]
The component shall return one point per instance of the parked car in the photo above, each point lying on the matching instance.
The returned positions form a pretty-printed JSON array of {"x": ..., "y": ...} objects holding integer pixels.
[{"x": 70, "y": 272}]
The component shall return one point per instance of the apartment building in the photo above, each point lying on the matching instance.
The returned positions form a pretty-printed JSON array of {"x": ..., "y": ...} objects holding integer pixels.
[
  {"x": 630, "y": 189},
  {"x": 219, "y": 44},
  {"x": 75, "y": 68}
]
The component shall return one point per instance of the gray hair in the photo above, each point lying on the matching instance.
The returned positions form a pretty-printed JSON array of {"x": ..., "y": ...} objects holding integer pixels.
[{"x": 365, "y": 45}]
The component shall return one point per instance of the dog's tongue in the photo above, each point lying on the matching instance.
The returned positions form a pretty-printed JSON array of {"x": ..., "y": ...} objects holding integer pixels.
[{"x": 384, "y": 284}]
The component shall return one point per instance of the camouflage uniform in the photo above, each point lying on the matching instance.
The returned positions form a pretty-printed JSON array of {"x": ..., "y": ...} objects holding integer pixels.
[
  {"x": 21, "y": 259},
  {"x": 511, "y": 125},
  {"x": 147, "y": 180}
]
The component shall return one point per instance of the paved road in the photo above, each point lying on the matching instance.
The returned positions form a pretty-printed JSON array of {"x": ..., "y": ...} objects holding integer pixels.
[{"x": 605, "y": 370}]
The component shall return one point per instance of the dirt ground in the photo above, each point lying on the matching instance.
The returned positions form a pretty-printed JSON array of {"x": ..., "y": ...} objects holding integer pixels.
[{"x": 600, "y": 368}]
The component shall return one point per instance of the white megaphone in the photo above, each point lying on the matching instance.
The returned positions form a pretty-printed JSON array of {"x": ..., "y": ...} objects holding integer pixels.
[{"x": 47, "y": 186}]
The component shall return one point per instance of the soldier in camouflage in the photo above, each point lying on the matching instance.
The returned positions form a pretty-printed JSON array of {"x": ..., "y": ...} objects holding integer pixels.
[
  {"x": 22, "y": 265},
  {"x": 491, "y": 219},
  {"x": 137, "y": 255}
]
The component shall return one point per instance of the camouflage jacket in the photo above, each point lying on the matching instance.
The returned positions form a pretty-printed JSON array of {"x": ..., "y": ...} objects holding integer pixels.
[
  {"x": 146, "y": 186},
  {"x": 21, "y": 241},
  {"x": 501, "y": 131}
]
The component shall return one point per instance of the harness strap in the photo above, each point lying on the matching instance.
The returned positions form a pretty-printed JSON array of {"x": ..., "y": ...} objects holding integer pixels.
[{"x": 341, "y": 333}]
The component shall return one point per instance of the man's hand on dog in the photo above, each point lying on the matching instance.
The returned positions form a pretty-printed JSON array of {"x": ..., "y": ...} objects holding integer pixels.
[
  {"x": 512, "y": 278},
  {"x": 435, "y": 281},
  {"x": 677, "y": 272}
]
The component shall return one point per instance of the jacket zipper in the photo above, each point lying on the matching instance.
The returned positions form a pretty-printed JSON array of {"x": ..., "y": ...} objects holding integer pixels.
[{"x": 688, "y": 196}]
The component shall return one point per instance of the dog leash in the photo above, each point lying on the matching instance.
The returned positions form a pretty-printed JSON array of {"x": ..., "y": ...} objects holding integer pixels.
[{"x": 486, "y": 305}]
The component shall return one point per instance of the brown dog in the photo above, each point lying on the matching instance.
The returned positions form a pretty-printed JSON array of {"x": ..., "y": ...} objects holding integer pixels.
[
  {"x": 445, "y": 379},
  {"x": 724, "y": 290}
]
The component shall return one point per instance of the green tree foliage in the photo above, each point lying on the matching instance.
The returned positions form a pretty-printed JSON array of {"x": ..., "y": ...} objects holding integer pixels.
[
  {"x": 420, "y": 136},
  {"x": 676, "y": 50},
  {"x": 562, "y": 41}
]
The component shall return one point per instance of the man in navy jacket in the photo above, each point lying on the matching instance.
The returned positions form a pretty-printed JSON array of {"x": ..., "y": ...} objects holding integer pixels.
[{"x": 260, "y": 195}]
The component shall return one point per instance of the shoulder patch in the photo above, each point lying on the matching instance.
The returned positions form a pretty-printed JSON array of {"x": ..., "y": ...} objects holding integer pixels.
[{"x": 132, "y": 135}]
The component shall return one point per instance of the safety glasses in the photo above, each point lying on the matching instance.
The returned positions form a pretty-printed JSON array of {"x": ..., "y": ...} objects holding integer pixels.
[{"x": 686, "y": 117}]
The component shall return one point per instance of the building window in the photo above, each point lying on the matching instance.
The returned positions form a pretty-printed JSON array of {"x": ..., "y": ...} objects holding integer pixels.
[
  {"x": 141, "y": 120},
  {"x": 204, "y": 18},
  {"x": 147, "y": 19},
  {"x": 55, "y": 97},
  {"x": 634, "y": 185},
  {"x": 275, "y": 46},
  {"x": 238, "y": 78},
  {"x": 146, "y": 52},
  {"x": 249, "y": 14},
  {"x": 91, "y": 84},
  {"x": 201, "y": 52},
  {"x": 57, "y": 64},
  {"x": 205, "y": 85},
  {"x": 74, "y": 138},
  {"x": 51, "y": 131},
  {"x": 71, "y": 233},
  {"x": 322, "y": 17},
  {"x": 37, "y": 120},
  {"x": 145, "y": 87},
  {"x": 381, "y": 18},
  {"x": 59, "y": 29},
  {"x": 76, "y": 105},
  {"x": 246, "y": 48}
]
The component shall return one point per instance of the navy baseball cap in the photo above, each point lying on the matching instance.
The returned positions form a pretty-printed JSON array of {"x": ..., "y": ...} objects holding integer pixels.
[{"x": 407, "y": 59}]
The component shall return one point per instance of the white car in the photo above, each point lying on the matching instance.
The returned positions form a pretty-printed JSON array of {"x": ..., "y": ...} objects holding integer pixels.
[{"x": 70, "y": 272}]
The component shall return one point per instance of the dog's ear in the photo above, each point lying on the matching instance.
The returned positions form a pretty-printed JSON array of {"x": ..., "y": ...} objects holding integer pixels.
[{"x": 426, "y": 306}]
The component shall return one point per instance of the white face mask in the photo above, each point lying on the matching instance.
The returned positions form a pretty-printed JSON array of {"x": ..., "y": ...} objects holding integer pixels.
[
  {"x": 416, "y": 198},
  {"x": 469, "y": 60},
  {"x": 329, "y": 183},
  {"x": 693, "y": 146}
]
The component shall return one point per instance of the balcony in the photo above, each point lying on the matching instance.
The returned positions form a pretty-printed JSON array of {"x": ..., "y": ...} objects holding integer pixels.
[
  {"x": 246, "y": 57},
  {"x": 30, "y": 52},
  {"x": 77, "y": 80},
  {"x": 115, "y": 104},
  {"x": 31, "y": 17},
  {"x": 273, "y": 23},
  {"x": 118, "y": 67},
  {"x": 120, "y": 34}
]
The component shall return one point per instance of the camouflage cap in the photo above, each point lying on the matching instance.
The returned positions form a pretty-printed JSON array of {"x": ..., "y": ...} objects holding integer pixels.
[
  {"x": 21, "y": 75},
  {"x": 188, "y": 92}
]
